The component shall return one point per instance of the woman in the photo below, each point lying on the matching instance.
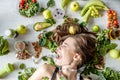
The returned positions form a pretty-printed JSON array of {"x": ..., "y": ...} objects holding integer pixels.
[{"x": 75, "y": 51}]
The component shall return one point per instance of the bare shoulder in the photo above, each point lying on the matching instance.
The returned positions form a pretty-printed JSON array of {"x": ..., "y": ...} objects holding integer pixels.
[
  {"x": 44, "y": 70},
  {"x": 47, "y": 68}
]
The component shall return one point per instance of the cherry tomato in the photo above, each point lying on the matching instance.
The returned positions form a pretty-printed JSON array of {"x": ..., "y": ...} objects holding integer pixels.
[
  {"x": 115, "y": 22},
  {"x": 114, "y": 17},
  {"x": 21, "y": 6},
  {"x": 116, "y": 25},
  {"x": 22, "y": 2},
  {"x": 114, "y": 14},
  {"x": 109, "y": 11},
  {"x": 110, "y": 15},
  {"x": 108, "y": 26},
  {"x": 34, "y": 1}
]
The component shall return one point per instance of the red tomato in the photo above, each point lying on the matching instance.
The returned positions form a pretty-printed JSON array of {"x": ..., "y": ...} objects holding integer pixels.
[
  {"x": 20, "y": 6},
  {"x": 109, "y": 11},
  {"x": 108, "y": 26},
  {"x": 22, "y": 2},
  {"x": 116, "y": 26},
  {"x": 34, "y": 1},
  {"x": 115, "y": 22}
]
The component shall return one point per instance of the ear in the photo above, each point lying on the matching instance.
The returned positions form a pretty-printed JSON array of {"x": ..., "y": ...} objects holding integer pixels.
[{"x": 77, "y": 57}]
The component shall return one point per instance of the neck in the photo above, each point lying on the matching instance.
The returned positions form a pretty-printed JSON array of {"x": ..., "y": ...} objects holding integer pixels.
[{"x": 70, "y": 72}]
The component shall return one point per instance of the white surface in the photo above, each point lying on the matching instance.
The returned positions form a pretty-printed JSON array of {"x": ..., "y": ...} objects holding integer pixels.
[{"x": 10, "y": 18}]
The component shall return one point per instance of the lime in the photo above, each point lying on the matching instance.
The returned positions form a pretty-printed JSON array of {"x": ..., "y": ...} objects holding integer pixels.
[{"x": 95, "y": 28}]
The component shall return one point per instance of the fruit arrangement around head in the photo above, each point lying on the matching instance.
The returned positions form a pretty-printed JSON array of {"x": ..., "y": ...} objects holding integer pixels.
[{"x": 48, "y": 39}]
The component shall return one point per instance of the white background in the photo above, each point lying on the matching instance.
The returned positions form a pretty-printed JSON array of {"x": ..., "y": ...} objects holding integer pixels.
[{"x": 10, "y": 18}]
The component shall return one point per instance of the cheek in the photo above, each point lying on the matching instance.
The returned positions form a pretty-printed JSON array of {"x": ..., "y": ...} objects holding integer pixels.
[{"x": 67, "y": 57}]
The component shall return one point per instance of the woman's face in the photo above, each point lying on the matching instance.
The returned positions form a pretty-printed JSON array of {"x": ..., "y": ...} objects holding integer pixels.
[{"x": 66, "y": 52}]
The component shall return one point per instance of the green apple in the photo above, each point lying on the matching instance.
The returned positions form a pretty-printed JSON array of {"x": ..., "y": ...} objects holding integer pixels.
[
  {"x": 21, "y": 29},
  {"x": 95, "y": 28},
  {"x": 74, "y": 6},
  {"x": 47, "y": 14},
  {"x": 114, "y": 53}
]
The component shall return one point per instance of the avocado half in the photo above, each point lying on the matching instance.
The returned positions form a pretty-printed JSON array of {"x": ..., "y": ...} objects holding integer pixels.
[{"x": 40, "y": 26}]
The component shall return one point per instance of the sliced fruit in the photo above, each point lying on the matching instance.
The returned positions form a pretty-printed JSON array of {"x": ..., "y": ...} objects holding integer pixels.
[{"x": 40, "y": 26}]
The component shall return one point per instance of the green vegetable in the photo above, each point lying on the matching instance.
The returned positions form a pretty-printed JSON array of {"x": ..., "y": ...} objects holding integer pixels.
[
  {"x": 109, "y": 74},
  {"x": 9, "y": 68},
  {"x": 83, "y": 24},
  {"x": 50, "y": 3},
  {"x": 45, "y": 41},
  {"x": 32, "y": 10},
  {"x": 40, "y": 26},
  {"x": 98, "y": 3},
  {"x": 45, "y": 78},
  {"x": 49, "y": 60},
  {"x": 62, "y": 78},
  {"x": 51, "y": 21},
  {"x": 65, "y": 3},
  {"x": 86, "y": 16},
  {"x": 26, "y": 74},
  {"x": 4, "y": 49},
  {"x": 22, "y": 66},
  {"x": 104, "y": 45}
]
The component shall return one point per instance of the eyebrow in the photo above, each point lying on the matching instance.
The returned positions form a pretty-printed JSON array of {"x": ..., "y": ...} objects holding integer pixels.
[{"x": 66, "y": 44}]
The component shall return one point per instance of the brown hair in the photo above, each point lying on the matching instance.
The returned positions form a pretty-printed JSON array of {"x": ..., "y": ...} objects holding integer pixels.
[{"x": 85, "y": 46}]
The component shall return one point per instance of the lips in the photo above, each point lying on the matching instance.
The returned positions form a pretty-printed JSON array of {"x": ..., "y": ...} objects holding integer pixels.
[{"x": 59, "y": 57}]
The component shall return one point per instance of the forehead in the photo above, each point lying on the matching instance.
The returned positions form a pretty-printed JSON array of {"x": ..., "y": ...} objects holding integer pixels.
[{"x": 70, "y": 41}]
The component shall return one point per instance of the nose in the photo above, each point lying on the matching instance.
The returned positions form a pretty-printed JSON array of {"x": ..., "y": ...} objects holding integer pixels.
[{"x": 58, "y": 48}]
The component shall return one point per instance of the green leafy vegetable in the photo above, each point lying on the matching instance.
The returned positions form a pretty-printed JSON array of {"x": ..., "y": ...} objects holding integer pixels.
[
  {"x": 109, "y": 74},
  {"x": 51, "y": 21},
  {"x": 4, "y": 49},
  {"x": 45, "y": 41},
  {"x": 45, "y": 78},
  {"x": 49, "y": 60},
  {"x": 50, "y": 3},
  {"x": 26, "y": 74}
]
